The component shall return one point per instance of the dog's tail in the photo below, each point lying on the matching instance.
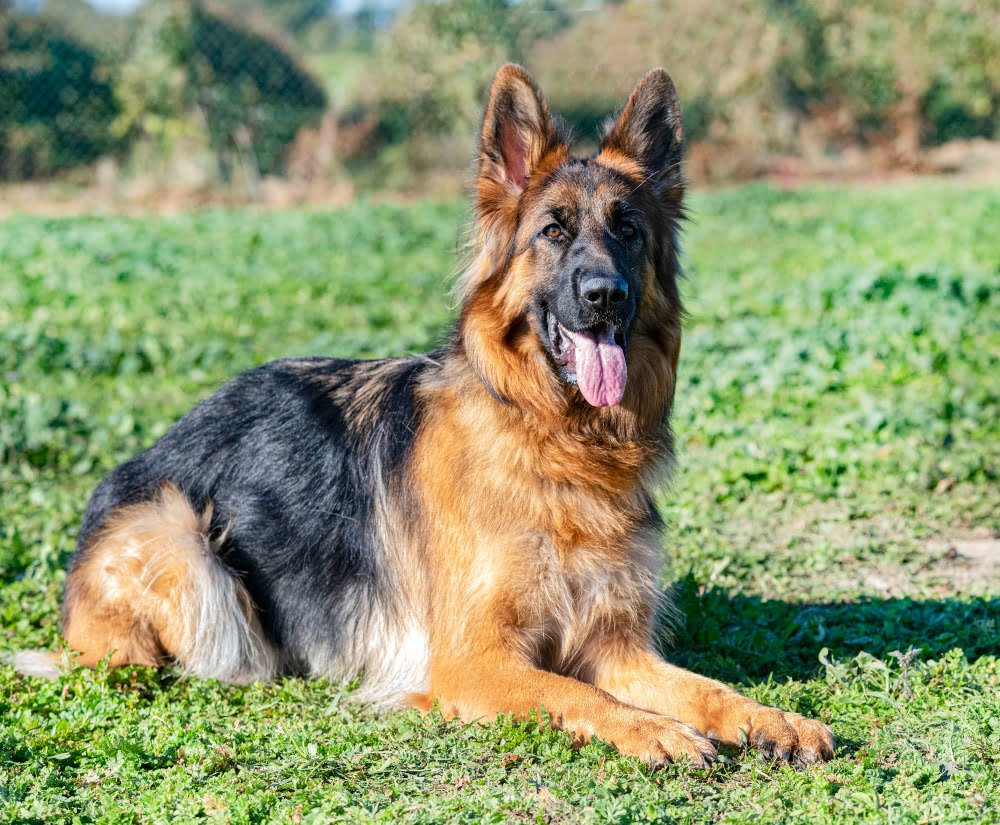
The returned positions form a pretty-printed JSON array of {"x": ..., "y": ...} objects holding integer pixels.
[
  {"x": 149, "y": 589},
  {"x": 41, "y": 663}
]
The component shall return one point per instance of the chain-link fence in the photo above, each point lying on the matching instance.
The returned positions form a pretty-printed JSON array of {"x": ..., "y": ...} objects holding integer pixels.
[
  {"x": 239, "y": 93},
  {"x": 177, "y": 84}
]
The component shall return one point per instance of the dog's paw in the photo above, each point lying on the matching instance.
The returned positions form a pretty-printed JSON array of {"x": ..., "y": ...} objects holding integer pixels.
[
  {"x": 790, "y": 737},
  {"x": 661, "y": 740}
]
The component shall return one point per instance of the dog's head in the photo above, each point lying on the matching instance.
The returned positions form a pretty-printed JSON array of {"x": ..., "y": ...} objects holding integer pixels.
[{"x": 571, "y": 302}]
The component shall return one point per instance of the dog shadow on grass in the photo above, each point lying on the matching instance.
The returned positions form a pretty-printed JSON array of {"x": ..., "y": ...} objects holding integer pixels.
[
  {"x": 745, "y": 639},
  {"x": 739, "y": 638}
]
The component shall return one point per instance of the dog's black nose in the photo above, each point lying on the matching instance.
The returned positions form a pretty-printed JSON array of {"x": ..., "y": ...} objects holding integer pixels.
[{"x": 602, "y": 290}]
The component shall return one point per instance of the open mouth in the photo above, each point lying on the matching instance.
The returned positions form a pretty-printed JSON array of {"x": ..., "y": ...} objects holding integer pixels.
[{"x": 593, "y": 358}]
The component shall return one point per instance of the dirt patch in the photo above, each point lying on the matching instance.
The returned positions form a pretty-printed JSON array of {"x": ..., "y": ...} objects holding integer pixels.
[
  {"x": 971, "y": 560},
  {"x": 983, "y": 552},
  {"x": 61, "y": 200},
  {"x": 882, "y": 554},
  {"x": 962, "y": 563},
  {"x": 102, "y": 190}
]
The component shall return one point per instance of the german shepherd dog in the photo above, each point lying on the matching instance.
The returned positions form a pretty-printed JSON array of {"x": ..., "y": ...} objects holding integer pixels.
[{"x": 474, "y": 528}]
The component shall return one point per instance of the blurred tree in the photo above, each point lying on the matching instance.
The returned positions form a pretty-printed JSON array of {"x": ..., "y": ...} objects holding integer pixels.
[
  {"x": 107, "y": 33},
  {"x": 295, "y": 17},
  {"x": 813, "y": 79},
  {"x": 893, "y": 69},
  {"x": 196, "y": 67},
  {"x": 56, "y": 99},
  {"x": 432, "y": 68}
]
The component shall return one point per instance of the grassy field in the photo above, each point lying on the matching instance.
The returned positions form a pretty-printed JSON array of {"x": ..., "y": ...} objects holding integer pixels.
[{"x": 834, "y": 519}]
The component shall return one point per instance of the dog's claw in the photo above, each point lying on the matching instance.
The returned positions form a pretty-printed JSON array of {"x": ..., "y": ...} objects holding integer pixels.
[
  {"x": 791, "y": 737},
  {"x": 806, "y": 757}
]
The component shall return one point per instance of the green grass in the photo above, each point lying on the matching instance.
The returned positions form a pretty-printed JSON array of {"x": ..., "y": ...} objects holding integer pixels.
[{"x": 839, "y": 421}]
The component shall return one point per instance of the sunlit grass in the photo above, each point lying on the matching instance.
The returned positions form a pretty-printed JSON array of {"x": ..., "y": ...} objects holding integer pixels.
[{"x": 839, "y": 420}]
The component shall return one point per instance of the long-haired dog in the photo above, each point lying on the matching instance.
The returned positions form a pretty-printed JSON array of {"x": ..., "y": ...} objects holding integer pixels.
[{"x": 475, "y": 527}]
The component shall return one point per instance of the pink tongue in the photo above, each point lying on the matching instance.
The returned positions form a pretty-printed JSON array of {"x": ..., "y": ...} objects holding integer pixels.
[{"x": 600, "y": 367}]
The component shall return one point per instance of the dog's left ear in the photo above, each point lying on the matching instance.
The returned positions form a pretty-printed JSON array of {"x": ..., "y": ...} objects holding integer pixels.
[
  {"x": 518, "y": 130},
  {"x": 649, "y": 129}
]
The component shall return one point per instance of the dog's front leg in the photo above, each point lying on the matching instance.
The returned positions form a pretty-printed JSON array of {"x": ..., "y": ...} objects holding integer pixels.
[
  {"x": 637, "y": 676},
  {"x": 490, "y": 683}
]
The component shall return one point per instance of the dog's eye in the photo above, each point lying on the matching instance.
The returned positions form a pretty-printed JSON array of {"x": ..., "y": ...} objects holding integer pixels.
[
  {"x": 627, "y": 230},
  {"x": 553, "y": 231}
]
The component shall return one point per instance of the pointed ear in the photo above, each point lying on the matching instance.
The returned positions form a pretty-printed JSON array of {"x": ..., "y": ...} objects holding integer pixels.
[
  {"x": 518, "y": 129},
  {"x": 648, "y": 130}
]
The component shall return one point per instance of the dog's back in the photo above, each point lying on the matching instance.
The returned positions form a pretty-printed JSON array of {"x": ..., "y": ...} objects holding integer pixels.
[{"x": 251, "y": 539}]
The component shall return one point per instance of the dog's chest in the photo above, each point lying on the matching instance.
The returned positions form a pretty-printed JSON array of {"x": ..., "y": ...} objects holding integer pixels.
[{"x": 567, "y": 596}]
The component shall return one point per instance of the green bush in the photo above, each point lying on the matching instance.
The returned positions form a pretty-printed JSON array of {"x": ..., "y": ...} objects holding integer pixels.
[
  {"x": 431, "y": 71},
  {"x": 882, "y": 62},
  {"x": 56, "y": 100},
  {"x": 195, "y": 69}
]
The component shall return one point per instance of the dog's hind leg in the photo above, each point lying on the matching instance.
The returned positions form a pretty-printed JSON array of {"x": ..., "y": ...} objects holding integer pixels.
[{"x": 148, "y": 590}]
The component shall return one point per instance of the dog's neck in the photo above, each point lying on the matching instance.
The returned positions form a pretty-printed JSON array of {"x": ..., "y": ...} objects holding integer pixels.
[{"x": 617, "y": 449}]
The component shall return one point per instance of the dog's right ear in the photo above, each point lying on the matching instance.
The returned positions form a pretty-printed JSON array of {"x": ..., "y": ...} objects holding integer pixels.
[{"x": 518, "y": 131}]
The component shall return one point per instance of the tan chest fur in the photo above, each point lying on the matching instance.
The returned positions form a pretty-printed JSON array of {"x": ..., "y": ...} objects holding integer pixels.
[
  {"x": 532, "y": 541},
  {"x": 559, "y": 601}
]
